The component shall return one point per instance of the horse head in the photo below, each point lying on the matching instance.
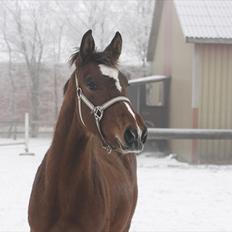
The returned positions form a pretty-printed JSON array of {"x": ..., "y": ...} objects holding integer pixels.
[{"x": 102, "y": 107}]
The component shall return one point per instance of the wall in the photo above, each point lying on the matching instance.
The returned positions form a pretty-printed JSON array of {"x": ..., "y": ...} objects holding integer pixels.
[
  {"x": 174, "y": 57},
  {"x": 215, "y": 99}
]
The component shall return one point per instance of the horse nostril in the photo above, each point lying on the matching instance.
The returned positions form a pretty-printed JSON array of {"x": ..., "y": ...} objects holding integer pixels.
[
  {"x": 130, "y": 136},
  {"x": 144, "y": 135}
]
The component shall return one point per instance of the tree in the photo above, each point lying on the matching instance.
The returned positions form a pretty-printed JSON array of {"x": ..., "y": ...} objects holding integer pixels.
[
  {"x": 10, "y": 75},
  {"x": 43, "y": 34},
  {"x": 139, "y": 19},
  {"x": 27, "y": 39},
  {"x": 57, "y": 56}
]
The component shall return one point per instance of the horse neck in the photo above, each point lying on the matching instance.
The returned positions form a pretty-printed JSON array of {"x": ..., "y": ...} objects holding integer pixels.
[{"x": 70, "y": 138}]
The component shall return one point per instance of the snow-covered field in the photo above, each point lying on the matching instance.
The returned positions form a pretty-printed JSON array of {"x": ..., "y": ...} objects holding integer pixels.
[{"x": 172, "y": 196}]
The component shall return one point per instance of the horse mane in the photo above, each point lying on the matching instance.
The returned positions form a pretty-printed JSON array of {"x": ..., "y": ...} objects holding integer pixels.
[
  {"x": 97, "y": 57},
  {"x": 65, "y": 87}
]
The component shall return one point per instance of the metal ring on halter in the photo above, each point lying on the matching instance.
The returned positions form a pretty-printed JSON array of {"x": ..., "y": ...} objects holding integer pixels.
[{"x": 98, "y": 112}]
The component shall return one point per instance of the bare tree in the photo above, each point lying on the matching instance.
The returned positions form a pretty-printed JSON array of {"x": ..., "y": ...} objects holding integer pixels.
[
  {"x": 28, "y": 41},
  {"x": 57, "y": 56},
  {"x": 10, "y": 75},
  {"x": 137, "y": 25},
  {"x": 42, "y": 35},
  {"x": 82, "y": 15}
]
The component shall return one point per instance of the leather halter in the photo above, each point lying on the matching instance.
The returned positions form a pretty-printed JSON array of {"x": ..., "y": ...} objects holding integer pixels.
[{"x": 97, "y": 111}]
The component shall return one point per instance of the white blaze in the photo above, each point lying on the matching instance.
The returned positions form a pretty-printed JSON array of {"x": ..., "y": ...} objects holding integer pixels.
[
  {"x": 112, "y": 73},
  {"x": 130, "y": 110},
  {"x": 133, "y": 114}
]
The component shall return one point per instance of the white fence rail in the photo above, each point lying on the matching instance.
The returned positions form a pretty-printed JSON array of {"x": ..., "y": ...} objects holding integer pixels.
[{"x": 171, "y": 133}]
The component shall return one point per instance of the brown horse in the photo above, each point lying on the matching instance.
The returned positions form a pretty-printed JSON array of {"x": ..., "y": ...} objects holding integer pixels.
[{"x": 87, "y": 179}]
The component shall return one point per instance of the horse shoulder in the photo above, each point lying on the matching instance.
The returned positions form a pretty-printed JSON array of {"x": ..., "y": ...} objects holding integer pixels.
[{"x": 42, "y": 200}]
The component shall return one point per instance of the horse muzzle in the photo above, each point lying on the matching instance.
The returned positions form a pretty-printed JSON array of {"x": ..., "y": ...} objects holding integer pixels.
[{"x": 134, "y": 141}]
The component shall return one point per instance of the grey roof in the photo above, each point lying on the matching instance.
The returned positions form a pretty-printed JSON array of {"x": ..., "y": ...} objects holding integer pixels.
[
  {"x": 205, "y": 19},
  {"x": 202, "y": 21}
]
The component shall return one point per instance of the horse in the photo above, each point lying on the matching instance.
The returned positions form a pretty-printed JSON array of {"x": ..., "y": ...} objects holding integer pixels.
[{"x": 87, "y": 180}]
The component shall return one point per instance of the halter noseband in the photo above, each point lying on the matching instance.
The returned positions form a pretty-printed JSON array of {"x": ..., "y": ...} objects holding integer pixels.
[{"x": 97, "y": 111}]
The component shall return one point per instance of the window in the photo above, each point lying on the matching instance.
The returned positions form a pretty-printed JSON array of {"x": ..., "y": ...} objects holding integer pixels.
[{"x": 155, "y": 94}]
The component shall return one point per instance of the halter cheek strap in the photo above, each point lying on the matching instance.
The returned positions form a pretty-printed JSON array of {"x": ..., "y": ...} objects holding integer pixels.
[{"x": 97, "y": 111}]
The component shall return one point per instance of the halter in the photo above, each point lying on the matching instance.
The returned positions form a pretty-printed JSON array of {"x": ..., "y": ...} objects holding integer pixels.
[{"x": 97, "y": 111}]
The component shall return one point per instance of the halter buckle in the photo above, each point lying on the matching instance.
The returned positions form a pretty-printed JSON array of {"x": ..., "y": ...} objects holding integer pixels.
[
  {"x": 98, "y": 112},
  {"x": 79, "y": 91}
]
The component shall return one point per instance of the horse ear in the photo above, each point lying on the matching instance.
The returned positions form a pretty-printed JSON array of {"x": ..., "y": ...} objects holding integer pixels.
[
  {"x": 113, "y": 50},
  {"x": 87, "y": 45}
]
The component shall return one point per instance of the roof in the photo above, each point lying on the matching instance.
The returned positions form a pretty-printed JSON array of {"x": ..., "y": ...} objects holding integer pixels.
[
  {"x": 208, "y": 19},
  {"x": 201, "y": 21}
]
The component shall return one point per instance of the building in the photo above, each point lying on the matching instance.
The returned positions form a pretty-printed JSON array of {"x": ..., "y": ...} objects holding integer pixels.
[{"x": 191, "y": 41}]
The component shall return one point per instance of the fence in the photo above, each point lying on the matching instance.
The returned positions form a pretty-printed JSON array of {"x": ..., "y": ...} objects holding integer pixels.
[
  {"x": 210, "y": 134},
  {"x": 25, "y": 140}
]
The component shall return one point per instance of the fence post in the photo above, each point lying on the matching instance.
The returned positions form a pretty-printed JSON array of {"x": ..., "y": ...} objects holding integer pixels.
[
  {"x": 26, "y": 136},
  {"x": 26, "y": 132}
]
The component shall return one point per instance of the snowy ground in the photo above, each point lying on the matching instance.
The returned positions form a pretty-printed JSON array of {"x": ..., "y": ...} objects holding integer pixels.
[{"x": 172, "y": 196}]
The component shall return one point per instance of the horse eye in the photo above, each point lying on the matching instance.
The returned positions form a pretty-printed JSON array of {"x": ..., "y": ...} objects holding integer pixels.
[{"x": 91, "y": 85}]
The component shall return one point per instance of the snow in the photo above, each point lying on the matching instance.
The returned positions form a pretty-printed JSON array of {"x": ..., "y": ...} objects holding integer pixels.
[{"x": 173, "y": 196}]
